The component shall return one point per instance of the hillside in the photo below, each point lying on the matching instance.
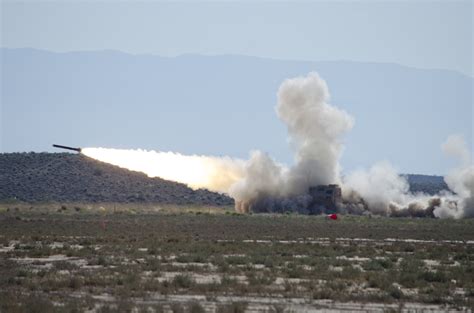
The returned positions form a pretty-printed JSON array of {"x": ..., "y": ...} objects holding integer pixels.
[
  {"x": 426, "y": 183},
  {"x": 66, "y": 177}
]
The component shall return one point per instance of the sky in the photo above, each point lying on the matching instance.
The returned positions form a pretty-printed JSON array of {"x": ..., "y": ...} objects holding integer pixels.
[{"x": 423, "y": 34}]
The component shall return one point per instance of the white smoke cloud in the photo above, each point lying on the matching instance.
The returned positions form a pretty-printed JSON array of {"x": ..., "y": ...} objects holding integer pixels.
[
  {"x": 460, "y": 180},
  {"x": 455, "y": 146},
  {"x": 263, "y": 177},
  {"x": 385, "y": 192},
  {"x": 379, "y": 186},
  {"x": 316, "y": 130}
]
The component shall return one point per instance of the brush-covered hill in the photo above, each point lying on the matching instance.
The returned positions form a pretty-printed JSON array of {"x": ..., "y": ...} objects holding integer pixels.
[
  {"x": 426, "y": 183},
  {"x": 66, "y": 177}
]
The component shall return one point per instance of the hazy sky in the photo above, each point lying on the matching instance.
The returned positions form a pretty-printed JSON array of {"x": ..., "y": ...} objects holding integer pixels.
[
  {"x": 424, "y": 34},
  {"x": 420, "y": 34}
]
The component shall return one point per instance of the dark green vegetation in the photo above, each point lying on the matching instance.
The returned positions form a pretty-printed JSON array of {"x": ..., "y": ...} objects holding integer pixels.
[
  {"x": 66, "y": 177},
  {"x": 224, "y": 262}
]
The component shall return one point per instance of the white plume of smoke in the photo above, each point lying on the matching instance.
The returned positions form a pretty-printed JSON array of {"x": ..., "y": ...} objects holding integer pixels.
[
  {"x": 380, "y": 186},
  {"x": 213, "y": 173},
  {"x": 455, "y": 146},
  {"x": 263, "y": 177},
  {"x": 460, "y": 180},
  {"x": 381, "y": 190},
  {"x": 315, "y": 131}
]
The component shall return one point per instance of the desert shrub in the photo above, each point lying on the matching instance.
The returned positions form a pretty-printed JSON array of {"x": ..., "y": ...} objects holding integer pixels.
[
  {"x": 228, "y": 281},
  {"x": 323, "y": 293},
  {"x": 351, "y": 273},
  {"x": 125, "y": 305},
  {"x": 295, "y": 272},
  {"x": 407, "y": 248},
  {"x": 102, "y": 260},
  {"x": 176, "y": 308},
  {"x": 183, "y": 281},
  {"x": 433, "y": 277},
  {"x": 277, "y": 308},
  {"x": 411, "y": 265},
  {"x": 258, "y": 259},
  {"x": 38, "y": 304},
  {"x": 377, "y": 280},
  {"x": 152, "y": 264},
  {"x": 259, "y": 278},
  {"x": 269, "y": 263},
  {"x": 157, "y": 308},
  {"x": 395, "y": 292},
  {"x": 433, "y": 295},
  {"x": 22, "y": 273},
  {"x": 337, "y": 285},
  {"x": 462, "y": 256},
  {"x": 377, "y": 264},
  {"x": 75, "y": 283},
  {"x": 153, "y": 250},
  {"x": 236, "y": 307},
  {"x": 64, "y": 265},
  {"x": 237, "y": 260},
  {"x": 408, "y": 279},
  {"x": 106, "y": 309},
  {"x": 196, "y": 308},
  {"x": 385, "y": 263}
]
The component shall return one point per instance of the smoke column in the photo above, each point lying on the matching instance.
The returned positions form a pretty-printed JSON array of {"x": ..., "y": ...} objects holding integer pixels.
[
  {"x": 315, "y": 128},
  {"x": 460, "y": 180},
  {"x": 315, "y": 132}
]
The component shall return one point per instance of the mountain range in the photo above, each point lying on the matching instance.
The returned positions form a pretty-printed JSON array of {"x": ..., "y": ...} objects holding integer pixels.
[{"x": 224, "y": 105}]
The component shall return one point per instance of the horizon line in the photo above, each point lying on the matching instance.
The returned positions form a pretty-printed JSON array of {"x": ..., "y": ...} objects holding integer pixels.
[{"x": 190, "y": 54}]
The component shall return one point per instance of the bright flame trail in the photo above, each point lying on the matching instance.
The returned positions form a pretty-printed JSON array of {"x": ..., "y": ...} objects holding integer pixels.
[{"x": 213, "y": 173}]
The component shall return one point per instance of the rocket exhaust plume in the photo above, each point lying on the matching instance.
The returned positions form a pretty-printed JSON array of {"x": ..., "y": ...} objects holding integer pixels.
[
  {"x": 213, "y": 173},
  {"x": 316, "y": 130}
]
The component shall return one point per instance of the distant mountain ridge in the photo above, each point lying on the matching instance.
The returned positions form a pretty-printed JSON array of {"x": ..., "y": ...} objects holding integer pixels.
[{"x": 224, "y": 105}]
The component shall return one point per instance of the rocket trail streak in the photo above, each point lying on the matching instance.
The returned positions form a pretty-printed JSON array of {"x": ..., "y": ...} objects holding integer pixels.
[{"x": 213, "y": 173}]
